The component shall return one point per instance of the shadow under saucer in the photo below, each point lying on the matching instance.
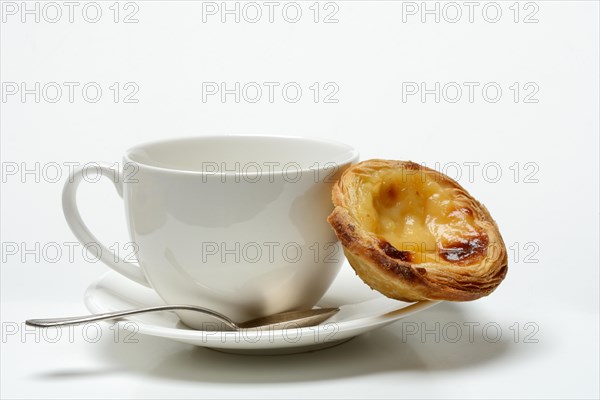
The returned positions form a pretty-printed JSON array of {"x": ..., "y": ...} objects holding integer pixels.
[{"x": 382, "y": 351}]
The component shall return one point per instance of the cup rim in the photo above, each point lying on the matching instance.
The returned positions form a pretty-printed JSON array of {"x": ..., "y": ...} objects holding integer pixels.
[{"x": 352, "y": 152}]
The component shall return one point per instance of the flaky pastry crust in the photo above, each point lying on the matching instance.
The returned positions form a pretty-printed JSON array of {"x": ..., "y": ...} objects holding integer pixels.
[{"x": 415, "y": 234}]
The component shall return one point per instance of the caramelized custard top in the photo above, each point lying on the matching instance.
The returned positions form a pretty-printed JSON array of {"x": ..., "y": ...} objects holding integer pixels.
[{"x": 419, "y": 218}]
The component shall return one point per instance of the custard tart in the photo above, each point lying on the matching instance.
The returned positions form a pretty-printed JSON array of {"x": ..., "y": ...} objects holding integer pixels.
[{"x": 414, "y": 234}]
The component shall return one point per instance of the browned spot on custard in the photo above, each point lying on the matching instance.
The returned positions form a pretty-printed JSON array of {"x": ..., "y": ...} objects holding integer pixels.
[
  {"x": 391, "y": 193},
  {"x": 388, "y": 195},
  {"x": 394, "y": 253},
  {"x": 470, "y": 249}
]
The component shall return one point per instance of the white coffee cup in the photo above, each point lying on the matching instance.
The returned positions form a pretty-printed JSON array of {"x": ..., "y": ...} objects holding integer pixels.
[{"x": 232, "y": 223}]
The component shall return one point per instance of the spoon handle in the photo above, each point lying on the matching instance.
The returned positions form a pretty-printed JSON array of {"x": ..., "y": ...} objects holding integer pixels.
[{"x": 48, "y": 322}]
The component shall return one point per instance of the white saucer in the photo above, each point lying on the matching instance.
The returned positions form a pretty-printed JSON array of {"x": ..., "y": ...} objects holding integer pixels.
[{"x": 361, "y": 310}]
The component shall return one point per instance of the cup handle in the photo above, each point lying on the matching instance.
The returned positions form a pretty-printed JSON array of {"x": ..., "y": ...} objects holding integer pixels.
[{"x": 81, "y": 231}]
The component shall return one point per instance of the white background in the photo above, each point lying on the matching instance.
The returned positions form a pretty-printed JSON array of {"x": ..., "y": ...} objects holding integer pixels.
[{"x": 368, "y": 54}]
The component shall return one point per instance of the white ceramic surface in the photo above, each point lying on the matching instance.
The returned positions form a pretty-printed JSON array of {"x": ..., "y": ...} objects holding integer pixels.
[
  {"x": 361, "y": 310},
  {"x": 233, "y": 223}
]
